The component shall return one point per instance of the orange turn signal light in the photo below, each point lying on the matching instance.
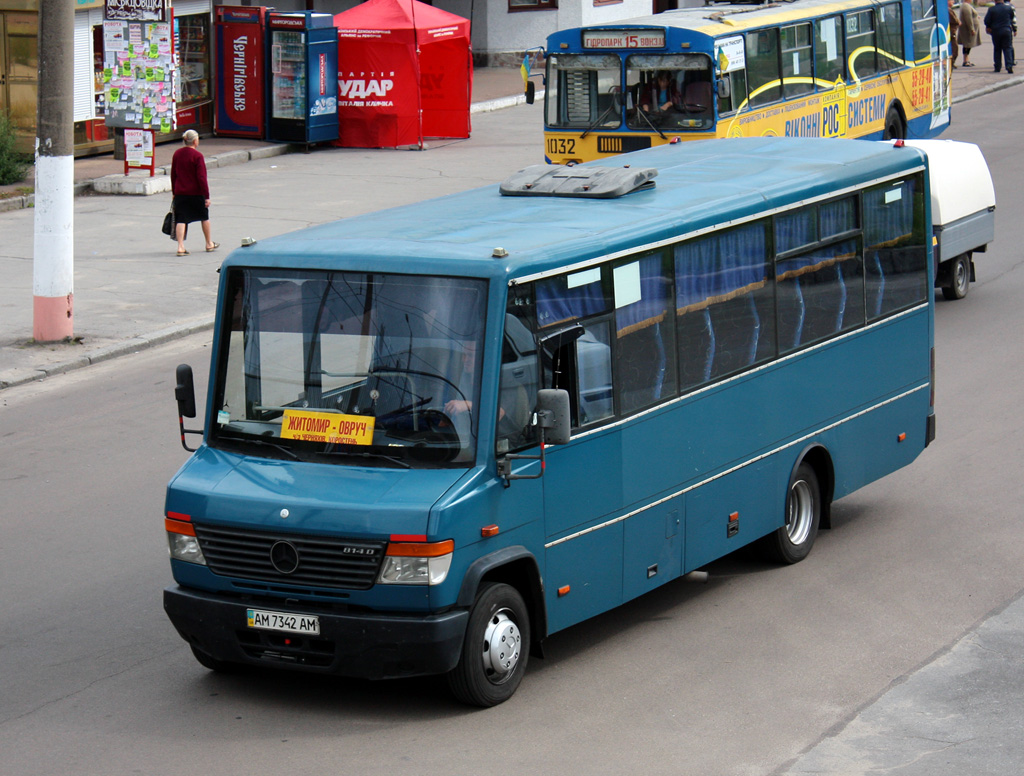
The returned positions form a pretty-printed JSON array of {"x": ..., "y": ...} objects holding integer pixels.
[
  {"x": 488, "y": 531},
  {"x": 421, "y": 549},
  {"x": 179, "y": 527},
  {"x": 563, "y": 591},
  {"x": 902, "y": 437}
]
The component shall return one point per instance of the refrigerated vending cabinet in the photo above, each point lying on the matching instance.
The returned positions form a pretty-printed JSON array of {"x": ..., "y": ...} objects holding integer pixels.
[
  {"x": 241, "y": 108},
  {"x": 302, "y": 78}
]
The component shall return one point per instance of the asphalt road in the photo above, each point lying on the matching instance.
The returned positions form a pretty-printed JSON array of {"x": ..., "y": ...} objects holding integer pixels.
[{"x": 747, "y": 674}]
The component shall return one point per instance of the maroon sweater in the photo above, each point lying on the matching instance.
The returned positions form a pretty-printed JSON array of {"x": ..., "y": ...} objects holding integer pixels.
[{"x": 188, "y": 173}]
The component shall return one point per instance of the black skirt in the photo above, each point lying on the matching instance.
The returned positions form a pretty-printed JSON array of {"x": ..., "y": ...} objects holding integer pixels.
[{"x": 189, "y": 208}]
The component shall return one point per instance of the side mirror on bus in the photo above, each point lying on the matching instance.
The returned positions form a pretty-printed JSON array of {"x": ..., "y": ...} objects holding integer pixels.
[
  {"x": 553, "y": 415},
  {"x": 185, "y": 395},
  {"x": 531, "y": 91},
  {"x": 185, "y": 391},
  {"x": 552, "y": 419},
  {"x": 724, "y": 88}
]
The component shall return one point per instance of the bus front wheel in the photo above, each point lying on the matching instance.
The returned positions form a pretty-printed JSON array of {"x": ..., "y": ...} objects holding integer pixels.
[
  {"x": 495, "y": 649},
  {"x": 895, "y": 128},
  {"x": 792, "y": 543}
]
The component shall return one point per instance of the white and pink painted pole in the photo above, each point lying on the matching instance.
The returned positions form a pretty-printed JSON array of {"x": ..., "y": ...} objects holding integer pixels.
[
  {"x": 53, "y": 285},
  {"x": 53, "y": 266}
]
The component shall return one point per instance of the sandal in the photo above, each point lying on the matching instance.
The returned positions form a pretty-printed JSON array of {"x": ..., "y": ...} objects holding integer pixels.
[
  {"x": 968, "y": 64},
  {"x": 213, "y": 247},
  {"x": 183, "y": 253}
]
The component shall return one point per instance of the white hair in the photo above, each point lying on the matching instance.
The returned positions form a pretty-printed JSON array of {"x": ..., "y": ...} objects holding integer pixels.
[{"x": 190, "y": 137}]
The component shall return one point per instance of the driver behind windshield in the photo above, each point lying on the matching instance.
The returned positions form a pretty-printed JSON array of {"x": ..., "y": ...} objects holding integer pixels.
[{"x": 662, "y": 94}]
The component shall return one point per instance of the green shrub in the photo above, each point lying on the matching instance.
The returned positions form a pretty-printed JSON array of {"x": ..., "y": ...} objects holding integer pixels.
[{"x": 12, "y": 164}]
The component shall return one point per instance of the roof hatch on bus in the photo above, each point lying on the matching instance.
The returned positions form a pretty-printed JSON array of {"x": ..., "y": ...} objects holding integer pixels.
[{"x": 545, "y": 180}]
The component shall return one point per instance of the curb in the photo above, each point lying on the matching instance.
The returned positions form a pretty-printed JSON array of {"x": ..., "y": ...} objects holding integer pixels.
[
  {"x": 146, "y": 185},
  {"x": 123, "y": 348}
]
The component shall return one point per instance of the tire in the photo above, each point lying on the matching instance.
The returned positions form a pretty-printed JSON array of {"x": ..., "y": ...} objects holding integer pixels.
[
  {"x": 959, "y": 278},
  {"x": 793, "y": 542},
  {"x": 218, "y": 666},
  {"x": 895, "y": 129},
  {"x": 495, "y": 649}
]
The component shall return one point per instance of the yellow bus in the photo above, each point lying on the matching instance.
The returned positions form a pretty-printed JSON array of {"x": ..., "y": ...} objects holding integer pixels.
[{"x": 812, "y": 68}]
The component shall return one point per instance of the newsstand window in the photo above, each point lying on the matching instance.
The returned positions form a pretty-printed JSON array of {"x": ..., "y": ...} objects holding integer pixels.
[{"x": 192, "y": 37}]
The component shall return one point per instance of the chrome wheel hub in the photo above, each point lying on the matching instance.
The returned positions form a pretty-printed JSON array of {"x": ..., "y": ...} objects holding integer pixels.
[
  {"x": 502, "y": 645},
  {"x": 801, "y": 512}
]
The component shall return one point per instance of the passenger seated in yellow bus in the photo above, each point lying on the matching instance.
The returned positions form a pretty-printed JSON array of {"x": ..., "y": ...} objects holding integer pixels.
[{"x": 662, "y": 94}]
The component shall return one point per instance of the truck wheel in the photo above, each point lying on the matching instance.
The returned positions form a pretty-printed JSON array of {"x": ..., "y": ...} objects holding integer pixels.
[
  {"x": 959, "y": 278},
  {"x": 792, "y": 543},
  {"x": 495, "y": 649}
]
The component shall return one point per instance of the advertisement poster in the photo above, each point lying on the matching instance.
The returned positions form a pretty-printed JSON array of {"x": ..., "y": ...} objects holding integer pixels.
[
  {"x": 138, "y": 75},
  {"x": 138, "y": 147}
]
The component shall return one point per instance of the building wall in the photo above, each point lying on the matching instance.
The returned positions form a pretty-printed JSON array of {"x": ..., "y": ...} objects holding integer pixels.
[{"x": 501, "y": 36}]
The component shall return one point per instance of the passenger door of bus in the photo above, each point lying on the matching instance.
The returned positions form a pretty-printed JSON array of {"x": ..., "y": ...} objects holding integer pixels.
[{"x": 598, "y": 552}]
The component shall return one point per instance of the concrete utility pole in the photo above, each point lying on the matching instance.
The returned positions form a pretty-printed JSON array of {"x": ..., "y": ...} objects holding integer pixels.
[{"x": 53, "y": 265}]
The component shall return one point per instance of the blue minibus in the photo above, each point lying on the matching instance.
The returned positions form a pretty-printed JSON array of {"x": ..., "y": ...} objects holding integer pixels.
[{"x": 436, "y": 435}]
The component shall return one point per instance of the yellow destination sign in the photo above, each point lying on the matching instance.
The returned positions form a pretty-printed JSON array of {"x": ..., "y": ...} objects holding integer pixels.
[{"x": 327, "y": 427}]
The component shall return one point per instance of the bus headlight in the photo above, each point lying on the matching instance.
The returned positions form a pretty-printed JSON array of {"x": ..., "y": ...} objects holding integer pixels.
[
  {"x": 416, "y": 563},
  {"x": 182, "y": 542}
]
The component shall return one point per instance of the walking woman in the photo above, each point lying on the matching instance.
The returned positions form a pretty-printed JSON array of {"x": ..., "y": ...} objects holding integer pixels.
[
  {"x": 191, "y": 191},
  {"x": 970, "y": 30},
  {"x": 954, "y": 29}
]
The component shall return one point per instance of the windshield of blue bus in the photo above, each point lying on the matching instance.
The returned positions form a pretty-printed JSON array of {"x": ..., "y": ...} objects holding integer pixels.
[
  {"x": 654, "y": 92},
  {"x": 356, "y": 368}
]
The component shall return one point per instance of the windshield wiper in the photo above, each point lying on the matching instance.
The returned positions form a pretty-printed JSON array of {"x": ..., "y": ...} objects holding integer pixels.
[
  {"x": 259, "y": 443},
  {"x": 641, "y": 112},
  {"x": 365, "y": 454},
  {"x": 600, "y": 118}
]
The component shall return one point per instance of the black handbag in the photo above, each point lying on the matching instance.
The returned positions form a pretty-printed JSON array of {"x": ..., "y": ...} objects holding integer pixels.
[{"x": 168, "y": 227}]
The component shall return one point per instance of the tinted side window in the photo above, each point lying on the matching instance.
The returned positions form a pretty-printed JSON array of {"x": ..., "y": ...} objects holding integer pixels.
[
  {"x": 646, "y": 368},
  {"x": 923, "y": 16},
  {"x": 860, "y": 42},
  {"x": 829, "y": 52},
  {"x": 797, "y": 73},
  {"x": 890, "y": 37},
  {"x": 763, "y": 66},
  {"x": 724, "y": 309},
  {"x": 895, "y": 255}
]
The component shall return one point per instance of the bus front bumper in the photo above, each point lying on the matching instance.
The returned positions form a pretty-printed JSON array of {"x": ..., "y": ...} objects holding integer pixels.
[{"x": 364, "y": 645}]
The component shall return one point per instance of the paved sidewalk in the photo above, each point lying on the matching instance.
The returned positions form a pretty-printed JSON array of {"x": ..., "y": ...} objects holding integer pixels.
[{"x": 493, "y": 88}]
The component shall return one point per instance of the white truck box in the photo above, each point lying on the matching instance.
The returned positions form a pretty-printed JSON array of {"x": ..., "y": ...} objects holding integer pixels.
[{"x": 963, "y": 210}]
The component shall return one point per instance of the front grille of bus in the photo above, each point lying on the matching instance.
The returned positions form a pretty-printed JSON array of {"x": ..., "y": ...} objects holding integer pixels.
[
  {"x": 620, "y": 144},
  {"x": 350, "y": 564}
]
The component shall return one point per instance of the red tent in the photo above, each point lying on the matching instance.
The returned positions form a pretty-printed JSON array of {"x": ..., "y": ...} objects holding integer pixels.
[{"x": 387, "y": 96}]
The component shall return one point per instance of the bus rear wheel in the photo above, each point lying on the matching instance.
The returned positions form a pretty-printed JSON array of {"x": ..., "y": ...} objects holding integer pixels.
[
  {"x": 895, "y": 128},
  {"x": 495, "y": 649},
  {"x": 959, "y": 278},
  {"x": 793, "y": 541}
]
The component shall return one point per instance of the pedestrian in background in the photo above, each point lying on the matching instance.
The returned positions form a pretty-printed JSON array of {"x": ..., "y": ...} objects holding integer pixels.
[
  {"x": 191, "y": 191},
  {"x": 954, "y": 29},
  {"x": 970, "y": 30},
  {"x": 1001, "y": 24}
]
